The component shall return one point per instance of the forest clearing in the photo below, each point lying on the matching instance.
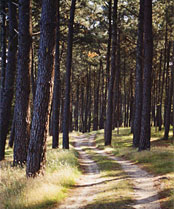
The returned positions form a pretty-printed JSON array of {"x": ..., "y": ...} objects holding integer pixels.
[{"x": 86, "y": 104}]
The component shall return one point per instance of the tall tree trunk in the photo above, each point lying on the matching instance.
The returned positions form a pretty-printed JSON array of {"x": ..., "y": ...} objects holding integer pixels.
[
  {"x": 125, "y": 94},
  {"x": 90, "y": 101},
  {"x": 67, "y": 79},
  {"x": 168, "y": 97},
  {"x": 108, "y": 56},
  {"x": 37, "y": 145},
  {"x": 159, "y": 118},
  {"x": 117, "y": 84},
  {"x": 76, "y": 111},
  {"x": 33, "y": 78},
  {"x": 22, "y": 109},
  {"x": 82, "y": 107},
  {"x": 87, "y": 103},
  {"x": 102, "y": 102},
  {"x": 6, "y": 100},
  {"x": 167, "y": 78},
  {"x": 144, "y": 142},
  {"x": 96, "y": 98},
  {"x": 163, "y": 77},
  {"x": 3, "y": 47},
  {"x": 57, "y": 85},
  {"x": 139, "y": 82},
  {"x": 108, "y": 127}
]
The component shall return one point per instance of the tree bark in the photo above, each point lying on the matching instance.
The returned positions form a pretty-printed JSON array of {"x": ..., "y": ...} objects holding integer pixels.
[
  {"x": 108, "y": 127},
  {"x": 67, "y": 79},
  {"x": 3, "y": 47},
  {"x": 57, "y": 86},
  {"x": 139, "y": 82},
  {"x": 167, "y": 78},
  {"x": 6, "y": 100},
  {"x": 108, "y": 56},
  {"x": 168, "y": 98},
  {"x": 144, "y": 142},
  {"x": 76, "y": 111},
  {"x": 22, "y": 109},
  {"x": 87, "y": 103},
  {"x": 37, "y": 145},
  {"x": 96, "y": 99}
]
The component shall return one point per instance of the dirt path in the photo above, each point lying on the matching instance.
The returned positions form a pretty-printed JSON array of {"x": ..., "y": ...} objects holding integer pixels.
[
  {"x": 145, "y": 193},
  {"x": 89, "y": 184},
  {"x": 85, "y": 188}
]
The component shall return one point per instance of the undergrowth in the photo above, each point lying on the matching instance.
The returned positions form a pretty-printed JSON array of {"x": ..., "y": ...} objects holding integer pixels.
[{"x": 18, "y": 192}]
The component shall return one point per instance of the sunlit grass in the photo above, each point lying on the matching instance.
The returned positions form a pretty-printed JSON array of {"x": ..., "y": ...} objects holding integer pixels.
[
  {"x": 158, "y": 161},
  {"x": 18, "y": 192}
]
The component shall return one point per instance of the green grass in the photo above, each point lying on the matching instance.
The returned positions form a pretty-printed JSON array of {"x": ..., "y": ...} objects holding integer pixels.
[
  {"x": 159, "y": 160},
  {"x": 18, "y": 192}
]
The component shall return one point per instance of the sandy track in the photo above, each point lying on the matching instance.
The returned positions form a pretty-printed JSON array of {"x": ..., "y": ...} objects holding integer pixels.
[
  {"x": 145, "y": 193},
  {"x": 87, "y": 187}
]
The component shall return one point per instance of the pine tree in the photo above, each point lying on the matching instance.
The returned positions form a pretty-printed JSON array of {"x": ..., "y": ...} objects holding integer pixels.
[
  {"x": 148, "y": 55},
  {"x": 6, "y": 100},
  {"x": 139, "y": 82},
  {"x": 22, "y": 107},
  {"x": 108, "y": 126},
  {"x": 37, "y": 146},
  {"x": 66, "y": 113}
]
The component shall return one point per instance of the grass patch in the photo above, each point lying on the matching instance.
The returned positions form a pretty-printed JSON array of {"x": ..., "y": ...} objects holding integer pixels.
[
  {"x": 18, "y": 192},
  {"x": 159, "y": 160}
]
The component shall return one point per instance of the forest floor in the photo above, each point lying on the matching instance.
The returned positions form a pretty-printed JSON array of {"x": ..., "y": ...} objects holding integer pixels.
[{"x": 109, "y": 182}]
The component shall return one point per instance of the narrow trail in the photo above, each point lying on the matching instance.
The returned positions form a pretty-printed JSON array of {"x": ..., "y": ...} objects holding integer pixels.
[
  {"x": 145, "y": 193},
  {"x": 90, "y": 184},
  {"x": 85, "y": 188}
]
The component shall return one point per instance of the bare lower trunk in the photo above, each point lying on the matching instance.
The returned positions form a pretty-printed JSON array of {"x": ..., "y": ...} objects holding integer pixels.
[{"x": 37, "y": 146}]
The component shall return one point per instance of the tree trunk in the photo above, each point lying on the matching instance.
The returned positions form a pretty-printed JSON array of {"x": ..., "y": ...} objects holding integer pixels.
[
  {"x": 163, "y": 77},
  {"x": 6, "y": 100},
  {"x": 33, "y": 79},
  {"x": 96, "y": 99},
  {"x": 108, "y": 127},
  {"x": 37, "y": 145},
  {"x": 144, "y": 142},
  {"x": 168, "y": 98},
  {"x": 159, "y": 118},
  {"x": 82, "y": 107},
  {"x": 67, "y": 79},
  {"x": 108, "y": 56},
  {"x": 87, "y": 103},
  {"x": 3, "y": 47},
  {"x": 167, "y": 78},
  {"x": 139, "y": 82},
  {"x": 76, "y": 113},
  {"x": 57, "y": 86},
  {"x": 22, "y": 109},
  {"x": 90, "y": 101},
  {"x": 102, "y": 102}
]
